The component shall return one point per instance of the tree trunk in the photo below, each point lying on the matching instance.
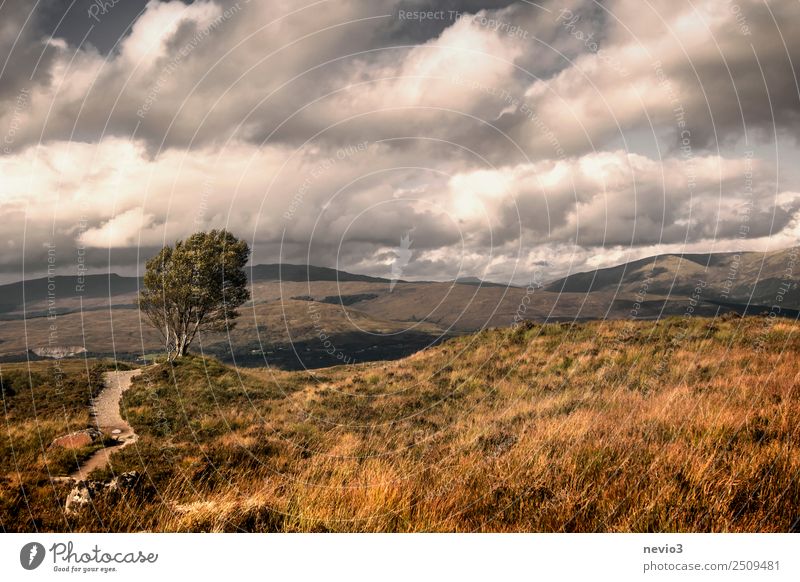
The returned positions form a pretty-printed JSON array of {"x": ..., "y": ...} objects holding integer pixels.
[{"x": 183, "y": 346}]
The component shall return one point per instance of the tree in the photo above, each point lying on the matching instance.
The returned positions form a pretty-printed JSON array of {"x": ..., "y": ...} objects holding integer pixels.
[{"x": 195, "y": 287}]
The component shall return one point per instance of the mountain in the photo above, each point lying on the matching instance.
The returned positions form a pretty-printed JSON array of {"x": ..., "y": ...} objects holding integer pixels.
[
  {"x": 289, "y": 272},
  {"x": 70, "y": 293},
  {"x": 476, "y": 281},
  {"x": 736, "y": 278},
  {"x": 34, "y": 291}
]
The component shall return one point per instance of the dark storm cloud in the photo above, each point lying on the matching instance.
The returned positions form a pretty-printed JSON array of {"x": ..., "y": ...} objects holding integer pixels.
[
  {"x": 750, "y": 82},
  {"x": 411, "y": 30},
  {"x": 25, "y": 57},
  {"x": 98, "y": 23},
  {"x": 721, "y": 68},
  {"x": 252, "y": 78}
]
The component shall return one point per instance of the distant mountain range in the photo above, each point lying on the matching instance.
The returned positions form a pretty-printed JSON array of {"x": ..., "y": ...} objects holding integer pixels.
[
  {"x": 308, "y": 316},
  {"x": 65, "y": 287},
  {"x": 289, "y": 272},
  {"x": 747, "y": 277},
  {"x": 477, "y": 281},
  {"x": 14, "y": 295}
]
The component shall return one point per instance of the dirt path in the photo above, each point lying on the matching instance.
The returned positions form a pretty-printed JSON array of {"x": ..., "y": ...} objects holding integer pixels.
[{"x": 106, "y": 416}]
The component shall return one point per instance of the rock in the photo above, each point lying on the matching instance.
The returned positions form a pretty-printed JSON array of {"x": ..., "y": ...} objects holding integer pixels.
[
  {"x": 58, "y": 352},
  {"x": 84, "y": 492},
  {"x": 79, "y": 439}
]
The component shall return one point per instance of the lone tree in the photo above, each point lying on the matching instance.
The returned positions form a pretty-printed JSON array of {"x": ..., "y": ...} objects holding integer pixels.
[{"x": 195, "y": 287}]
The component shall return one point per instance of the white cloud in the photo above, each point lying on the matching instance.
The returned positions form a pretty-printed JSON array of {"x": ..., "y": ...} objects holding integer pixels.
[
  {"x": 518, "y": 161},
  {"x": 122, "y": 230}
]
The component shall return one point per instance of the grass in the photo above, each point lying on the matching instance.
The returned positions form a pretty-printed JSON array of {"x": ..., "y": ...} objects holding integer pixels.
[{"x": 677, "y": 425}]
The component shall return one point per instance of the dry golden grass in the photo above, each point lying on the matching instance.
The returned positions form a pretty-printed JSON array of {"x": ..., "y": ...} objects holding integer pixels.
[{"x": 609, "y": 426}]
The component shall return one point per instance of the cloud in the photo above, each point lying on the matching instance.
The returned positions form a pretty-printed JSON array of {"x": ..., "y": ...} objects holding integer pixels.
[
  {"x": 617, "y": 198},
  {"x": 514, "y": 136},
  {"x": 189, "y": 76},
  {"x": 27, "y": 53},
  {"x": 724, "y": 69},
  {"x": 123, "y": 230},
  {"x": 350, "y": 207}
]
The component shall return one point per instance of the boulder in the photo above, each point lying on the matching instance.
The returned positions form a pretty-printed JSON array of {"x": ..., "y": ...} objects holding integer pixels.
[
  {"x": 79, "y": 439},
  {"x": 58, "y": 352},
  {"x": 84, "y": 492}
]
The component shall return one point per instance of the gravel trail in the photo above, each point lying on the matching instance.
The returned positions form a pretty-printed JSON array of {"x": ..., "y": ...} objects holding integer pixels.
[{"x": 106, "y": 416}]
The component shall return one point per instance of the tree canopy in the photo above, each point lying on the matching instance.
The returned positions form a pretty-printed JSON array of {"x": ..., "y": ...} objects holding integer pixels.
[{"x": 195, "y": 286}]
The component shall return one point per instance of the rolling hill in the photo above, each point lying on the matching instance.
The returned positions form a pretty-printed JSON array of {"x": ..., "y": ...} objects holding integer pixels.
[
  {"x": 747, "y": 277},
  {"x": 648, "y": 426}
]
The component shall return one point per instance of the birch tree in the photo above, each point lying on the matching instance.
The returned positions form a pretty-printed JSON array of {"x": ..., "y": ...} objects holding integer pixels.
[{"x": 195, "y": 287}]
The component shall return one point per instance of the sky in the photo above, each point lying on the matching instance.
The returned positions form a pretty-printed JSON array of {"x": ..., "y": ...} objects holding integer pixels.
[{"x": 512, "y": 141}]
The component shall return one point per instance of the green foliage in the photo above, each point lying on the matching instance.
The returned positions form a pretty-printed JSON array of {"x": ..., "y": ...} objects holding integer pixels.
[{"x": 195, "y": 287}]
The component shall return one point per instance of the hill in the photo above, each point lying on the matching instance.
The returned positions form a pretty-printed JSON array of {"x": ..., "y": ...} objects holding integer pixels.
[
  {"x": 289, "y": 272},
  {"x": 36, "y": 292},
  {"x": 67, "y": 290},
  {"x": 675, "y": 425},
  {"x": 740, "y": 278}
]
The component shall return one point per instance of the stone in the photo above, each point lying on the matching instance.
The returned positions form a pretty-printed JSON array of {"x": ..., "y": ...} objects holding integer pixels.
[
  {"x": 77, "y": 440},
  {"x": 83, "y": 492},
  {"x": 58, "y": 352}
]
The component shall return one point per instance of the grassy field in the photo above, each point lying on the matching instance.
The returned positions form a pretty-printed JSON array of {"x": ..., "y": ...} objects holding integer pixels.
[{"x": 677, "y": 425}]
